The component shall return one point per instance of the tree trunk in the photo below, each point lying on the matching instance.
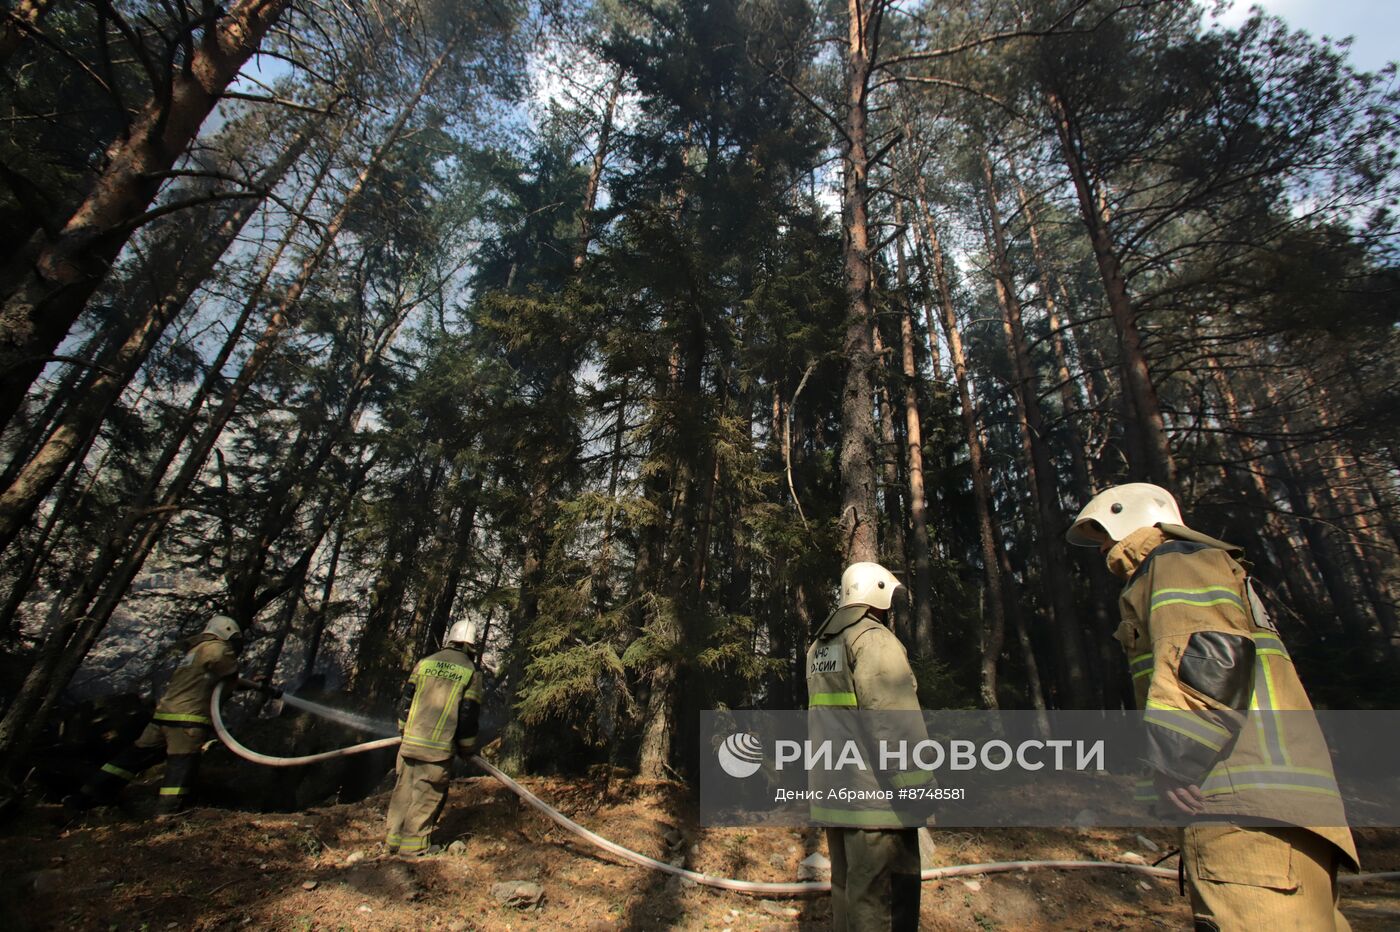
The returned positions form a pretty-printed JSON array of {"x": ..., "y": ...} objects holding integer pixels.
[
  {"x": 679, "y": 579},
  {"x": 1298, "y": 577},
  {"x": 603, "y": 573},
  {"x": 317, "y": 625},
  {"x": 994, "y": 618},
  {"x": 921, "y": 579},
  {"x": 1372, "y": 553},
  {"x": 595, "y": 173},
  {"x": 1113, "y": 674},
  {"x": 462, "y": 550},
  {"x": 1075, "y": 672},
  {"x": 658, "y": 731},
  {"x": 38, "y": 551},
  {"x": 46, "y": 285},
  {"x": 1034, "y": 686},
  {"x": 83, "y": 419},
  {"x": 1137, "y": 378},
  {"x": 434, "y": 559},
  {"x": 1381, "y": 510},
  {"x": 69, "y": 387},
  {"x": 895, "y": 553},
  {"x": 1330, "y": 563},
  {"x": 246, "y": 596},
  {"x": 382, "y": 654},
  {"x": 1065, "y": 383},
  {"x": 859, "y": 511},
  {"x": 69, "y": 642}
]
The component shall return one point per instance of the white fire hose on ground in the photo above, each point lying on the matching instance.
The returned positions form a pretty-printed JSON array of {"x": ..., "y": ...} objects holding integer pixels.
[{"x": 709, "y": 880}]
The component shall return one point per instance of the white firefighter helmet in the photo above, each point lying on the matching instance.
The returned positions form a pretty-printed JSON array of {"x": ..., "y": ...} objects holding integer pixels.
[
  {"x": 465, "y": 633},
  {"x": 1120, "y": 510},
  {"x": 223, "y": 627},
  {"x": 867, "y": 584}
]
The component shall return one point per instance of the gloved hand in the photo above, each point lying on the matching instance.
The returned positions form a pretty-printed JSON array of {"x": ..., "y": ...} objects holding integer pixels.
[
  {"x": 260, "y": 684},
  {"x": 1185, "y": 798}
]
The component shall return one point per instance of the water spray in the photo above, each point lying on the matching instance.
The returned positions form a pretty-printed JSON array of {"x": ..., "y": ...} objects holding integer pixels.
[{"x": 340, "y": 716}]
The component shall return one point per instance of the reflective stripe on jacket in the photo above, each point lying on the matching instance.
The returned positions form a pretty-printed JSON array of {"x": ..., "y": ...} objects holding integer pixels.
[
  {"x": 1204, "y": 657},
  {"x": 441, "y": 683},
  {"x": 185, "y": 701},
  {"x": 856, "y": 663}
]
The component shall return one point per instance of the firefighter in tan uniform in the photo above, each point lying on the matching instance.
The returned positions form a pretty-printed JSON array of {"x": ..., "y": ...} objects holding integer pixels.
[
  {"x": 1209, "y": 670},
  {"x": 856, "y": 662},
  {"x": 438, "y": 718},
  {"x": 180, "y": 726}
]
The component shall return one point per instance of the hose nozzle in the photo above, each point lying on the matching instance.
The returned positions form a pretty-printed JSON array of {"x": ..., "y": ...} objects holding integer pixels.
[{"x": 263, "y": 687}]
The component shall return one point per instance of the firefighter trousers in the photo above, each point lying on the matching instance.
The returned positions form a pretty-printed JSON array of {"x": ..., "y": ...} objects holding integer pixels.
[
  {"x": 1281, "y": 879},
  {"x": 874, "y": 879},
  {"x": 179, "y": 747},
  {"x": 419, "y": 795}
]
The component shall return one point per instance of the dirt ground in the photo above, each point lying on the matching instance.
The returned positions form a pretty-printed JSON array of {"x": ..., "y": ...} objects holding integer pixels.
[{"x": 212, "y": 869}]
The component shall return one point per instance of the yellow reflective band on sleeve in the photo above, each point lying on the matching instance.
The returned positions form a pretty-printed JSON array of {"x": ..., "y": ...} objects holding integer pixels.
[
  {"x": 1187, "y": 724},
  {"x": 116, "y": 771},
  {"x": 1140, "y": 666},
  {"x": 1266, "y": 645},
  {"x": 174, "y": 790},
  {"x": 833, "y": 699},
  {"x": 875, "y": 818},
  {"x": 911, "y": 778},
  {"x": 181, "y": 718}
]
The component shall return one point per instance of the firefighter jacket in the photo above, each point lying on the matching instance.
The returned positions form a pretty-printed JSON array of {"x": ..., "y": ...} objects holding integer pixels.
[
  {"x": 185, "y": 703},
  {"x": 1206, "y": 661},
  {"x": 439, "y": 708},
  {"x": 856, "y": 663}
]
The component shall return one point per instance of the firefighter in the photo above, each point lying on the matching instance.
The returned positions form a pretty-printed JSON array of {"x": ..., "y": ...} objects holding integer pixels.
[
  {"x": 855, "y": 662},
  {"x": 1266, "y": 831},
  {"x": 180, "y": 726},
  {"x": 438, "y": 715}
]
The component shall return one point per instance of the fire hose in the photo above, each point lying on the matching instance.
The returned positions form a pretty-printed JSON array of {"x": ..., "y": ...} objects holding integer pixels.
[{"x": 807, "y": 888}]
